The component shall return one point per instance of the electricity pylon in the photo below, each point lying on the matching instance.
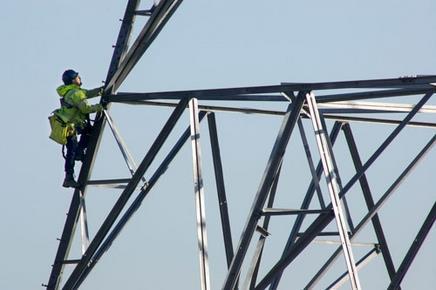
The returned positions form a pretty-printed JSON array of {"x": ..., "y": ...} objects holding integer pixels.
[{"x": 313, "y": 105}]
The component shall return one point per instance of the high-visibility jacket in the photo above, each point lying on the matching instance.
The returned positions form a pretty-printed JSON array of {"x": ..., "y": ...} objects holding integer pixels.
[{"x": 75, "y": 107}]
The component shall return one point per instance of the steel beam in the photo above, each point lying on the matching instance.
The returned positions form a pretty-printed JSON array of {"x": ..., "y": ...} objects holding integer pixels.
[
  {"x": 276, "y": 156},
  {"x": 220, "y": 187},
  {"x": 330, "y": 172},
  {"x": 154, "y": 25},
  {"x": 414, "y": 248},
  {"x": 122, "y": 42},
  {"x": 199, "y": 195},
  {"x": 249, "y": 93},
  {"x": 130, "y": 162},
  {"x": 253, "y": 271},
  {"x": 386, "y": 143},
  {"x": 64, "y": 242},
  {"x": 336, "y": 168},
  {"x": 360, "y": 264},
  {"x": 371, "y": 107},
  {"x": 369, "y": 201},
  {"x": 376, "y": 94},
  {"x": 104, "y": 182},
  {"x": 281, "y": 113},
  {"x": 128, "y": 158},
  {"x": 380, "y": 121},
  {"x": 280, "y": 211},
  {"x": 315, "y": 177},
  {"x": 84, "y": 231}
]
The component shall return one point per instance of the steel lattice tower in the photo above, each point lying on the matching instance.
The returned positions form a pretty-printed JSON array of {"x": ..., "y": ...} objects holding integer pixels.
[{"x": 325, "y": 203}]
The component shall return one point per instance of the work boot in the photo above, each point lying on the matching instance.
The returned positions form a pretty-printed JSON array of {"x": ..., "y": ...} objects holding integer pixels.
[{"x": 69, "y": 181}]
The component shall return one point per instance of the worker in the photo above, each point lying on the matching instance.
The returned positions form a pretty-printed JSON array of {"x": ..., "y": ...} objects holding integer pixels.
[{"x": 75, "y": 109}]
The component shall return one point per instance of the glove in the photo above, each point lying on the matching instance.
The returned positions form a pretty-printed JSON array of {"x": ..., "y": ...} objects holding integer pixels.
[
  {"x": 101, "y": 91},
  {"x": 97, "y": 108}
]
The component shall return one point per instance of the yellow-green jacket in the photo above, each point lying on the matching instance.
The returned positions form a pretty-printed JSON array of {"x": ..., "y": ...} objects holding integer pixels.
[{"x": 75, "y": 107}]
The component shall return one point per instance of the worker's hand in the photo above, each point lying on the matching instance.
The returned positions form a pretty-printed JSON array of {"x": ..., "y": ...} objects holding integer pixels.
[
  {"x": 97, "y": 108},
  {"x": 101, "y": 91}
]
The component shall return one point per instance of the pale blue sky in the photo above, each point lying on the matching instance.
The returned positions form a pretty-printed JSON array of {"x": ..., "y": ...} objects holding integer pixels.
[{"x": 207, "y": 44}]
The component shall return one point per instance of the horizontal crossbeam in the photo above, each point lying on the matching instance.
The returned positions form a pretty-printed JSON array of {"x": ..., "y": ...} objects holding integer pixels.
[
  {"x": 280, "y": 211},
  {"x": 255, "y": 93}
]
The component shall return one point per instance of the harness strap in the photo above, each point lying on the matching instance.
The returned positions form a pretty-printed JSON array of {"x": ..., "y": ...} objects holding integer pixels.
[
  {"x": 63, "y": 152},
  {"x": 65, "y": 103}
]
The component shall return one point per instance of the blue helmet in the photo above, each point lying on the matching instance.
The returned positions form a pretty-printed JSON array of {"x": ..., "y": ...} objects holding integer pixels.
[{"x": 68, "y": 76}]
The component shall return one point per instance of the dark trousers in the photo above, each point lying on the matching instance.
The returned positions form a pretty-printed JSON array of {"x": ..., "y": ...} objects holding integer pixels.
[{"x": 74, "y": 148}]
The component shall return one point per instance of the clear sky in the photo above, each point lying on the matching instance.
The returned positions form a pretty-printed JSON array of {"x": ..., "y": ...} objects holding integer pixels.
[{"x": 207, "y": 44}]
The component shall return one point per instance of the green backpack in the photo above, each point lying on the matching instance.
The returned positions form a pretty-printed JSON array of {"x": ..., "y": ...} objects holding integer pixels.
[{"x": 60, "y": 130}]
